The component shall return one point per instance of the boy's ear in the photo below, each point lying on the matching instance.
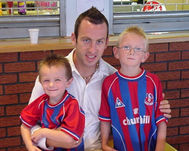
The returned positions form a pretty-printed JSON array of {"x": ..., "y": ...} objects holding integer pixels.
[
  {"x": 116, "y": 52},
  {"x": 69, "y": 82},
  {"x": 146, "y": 55}
]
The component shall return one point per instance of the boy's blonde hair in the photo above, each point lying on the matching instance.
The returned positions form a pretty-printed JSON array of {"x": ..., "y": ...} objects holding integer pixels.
[
  {"x": 56, "y": 60},
  {"x": 138, "y": 31}
]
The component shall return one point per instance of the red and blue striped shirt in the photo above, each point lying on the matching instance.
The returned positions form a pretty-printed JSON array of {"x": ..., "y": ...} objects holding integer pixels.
[
  {"x": 65, "y": 114},
  {"x": 131, "y": 104}
]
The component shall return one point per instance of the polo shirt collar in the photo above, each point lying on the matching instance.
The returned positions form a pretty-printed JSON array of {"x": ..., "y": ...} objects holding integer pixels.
[{"x": 102, "y": 70}]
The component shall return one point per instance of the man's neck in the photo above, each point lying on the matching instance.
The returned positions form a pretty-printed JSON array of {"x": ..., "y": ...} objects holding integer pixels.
[{"x": 85, "y": 71}]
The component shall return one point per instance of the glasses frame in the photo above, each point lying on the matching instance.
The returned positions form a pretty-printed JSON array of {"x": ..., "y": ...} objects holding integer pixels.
[{"x": 129, "y": 48}]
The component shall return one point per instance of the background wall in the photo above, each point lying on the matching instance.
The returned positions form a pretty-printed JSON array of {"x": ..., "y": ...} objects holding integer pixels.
[{"x": 170, "y": 61}]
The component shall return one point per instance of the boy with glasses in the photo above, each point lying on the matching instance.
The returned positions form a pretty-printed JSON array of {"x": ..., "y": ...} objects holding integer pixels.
[{"x": 130, "y": 99}]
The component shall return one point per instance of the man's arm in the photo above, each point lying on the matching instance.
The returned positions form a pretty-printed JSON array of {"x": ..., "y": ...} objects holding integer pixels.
[
  {"x": 161, "y": 136},
  {"x": 37, "y": 90},
  {"x": 55, "y": 138}
]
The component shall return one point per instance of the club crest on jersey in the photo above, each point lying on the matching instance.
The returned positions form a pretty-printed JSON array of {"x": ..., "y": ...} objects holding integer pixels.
[
  {"x": 135, "y": 111},
  {"x": 119, "y": 103},
  {"x": 149, "y": 99}
]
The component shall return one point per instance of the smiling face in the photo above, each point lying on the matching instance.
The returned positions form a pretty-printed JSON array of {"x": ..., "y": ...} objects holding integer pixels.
[
  {"x": 90, "y": 44},
  {"x": 131, "y": 51},
  {"x": 54, "y": 81}
]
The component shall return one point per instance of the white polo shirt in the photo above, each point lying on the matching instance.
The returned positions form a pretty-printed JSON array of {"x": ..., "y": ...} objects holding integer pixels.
[{"x": 89, "y": 97}]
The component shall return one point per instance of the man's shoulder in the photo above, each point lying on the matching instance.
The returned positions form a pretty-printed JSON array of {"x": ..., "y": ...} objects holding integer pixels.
[
  {"x": 106, "y": 67},
  {"x": 111, "y": 76}
]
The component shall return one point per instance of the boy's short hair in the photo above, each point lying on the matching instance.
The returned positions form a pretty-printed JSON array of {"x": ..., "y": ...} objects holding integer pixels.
[
  {"x": 56, "y": 60},
  {"x": 138, "y": 31},
  {"x": 94, "y": 16}
]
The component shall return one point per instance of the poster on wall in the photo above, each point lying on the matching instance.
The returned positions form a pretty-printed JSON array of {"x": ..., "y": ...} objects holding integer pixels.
[{"x": 83, "y": 5}]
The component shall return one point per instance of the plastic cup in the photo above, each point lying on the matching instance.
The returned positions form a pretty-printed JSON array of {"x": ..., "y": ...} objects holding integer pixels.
[{"x": 34, "y": 33}]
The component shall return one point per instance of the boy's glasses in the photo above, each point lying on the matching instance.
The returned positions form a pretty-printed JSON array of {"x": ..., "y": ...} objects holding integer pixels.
[{"x": 128, "y": 49}]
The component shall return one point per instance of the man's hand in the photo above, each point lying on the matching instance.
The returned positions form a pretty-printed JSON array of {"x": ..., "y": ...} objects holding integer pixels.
[
  {"x": 165, "y": 107},
  {"x": 38, "y": 134}
]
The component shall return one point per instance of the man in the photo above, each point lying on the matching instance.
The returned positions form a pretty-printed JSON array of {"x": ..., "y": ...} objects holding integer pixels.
[{"x": 90, "y": 39}]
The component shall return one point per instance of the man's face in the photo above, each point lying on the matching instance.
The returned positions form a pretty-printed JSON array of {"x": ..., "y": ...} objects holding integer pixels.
[{"x": 90, "y": 44}]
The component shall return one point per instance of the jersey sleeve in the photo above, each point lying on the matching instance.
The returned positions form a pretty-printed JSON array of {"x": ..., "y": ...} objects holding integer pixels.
[
  {"x": 73, "y": 122},
  {"x": 159, "y": 115},
  {"x": 31, "y": 113},
  {"x": 104, "y": 112}
]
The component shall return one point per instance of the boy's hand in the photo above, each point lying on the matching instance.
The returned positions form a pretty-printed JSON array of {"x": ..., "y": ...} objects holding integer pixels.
[{"x": 34, "y": 148}]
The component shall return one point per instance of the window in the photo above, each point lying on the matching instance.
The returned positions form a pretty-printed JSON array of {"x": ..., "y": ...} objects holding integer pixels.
[
  {"x": 17, "y": 16},
  {"x": 56, "y": 18},
  {"x": 151, "y": 15},
  {"x": 28, "y": 7},
  {"x": 150, "y": 5}
]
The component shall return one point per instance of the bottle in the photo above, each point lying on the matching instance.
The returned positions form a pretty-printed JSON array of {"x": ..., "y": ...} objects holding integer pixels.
[
  {"x": 21, "y": 8},
  {"x": 10, "y": 7}
]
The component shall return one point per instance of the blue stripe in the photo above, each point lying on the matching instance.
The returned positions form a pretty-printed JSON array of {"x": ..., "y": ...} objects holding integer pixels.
[
  {"x": 55, "y": 114},
  {"x": 116, "y": 127},
  {"x": 44, "y": 118},
  {"x": 129, "y": 113}
]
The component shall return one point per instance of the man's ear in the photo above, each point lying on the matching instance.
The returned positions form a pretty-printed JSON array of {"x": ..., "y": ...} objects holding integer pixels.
[
  {"x": 116, "y": 52},
  {"x": 107, "y": 41},
  {"x": 69, "y": 82},
  {"x": 73, "y": 38},
  {"x": 145, "y": 57}
]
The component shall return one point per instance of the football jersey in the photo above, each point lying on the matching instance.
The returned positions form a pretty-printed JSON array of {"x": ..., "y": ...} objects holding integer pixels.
[
  {"x": 66, "y": 114},
  {"x": 131, "y": 104}
]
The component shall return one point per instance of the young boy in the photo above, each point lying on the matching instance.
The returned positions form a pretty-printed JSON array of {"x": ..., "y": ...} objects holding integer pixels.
[
  {"x": 131, "y": 98},
  {"x": 54, "y": 109}
]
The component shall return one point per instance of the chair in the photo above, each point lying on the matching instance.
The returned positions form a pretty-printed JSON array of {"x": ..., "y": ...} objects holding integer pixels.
[{"x": 168, "y": 147}]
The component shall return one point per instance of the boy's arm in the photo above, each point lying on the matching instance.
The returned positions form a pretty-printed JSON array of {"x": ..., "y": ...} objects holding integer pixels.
[
  {"x": 105, "y": 132},
  {"x": 55, "y": 138},
  {"x": 161, "y": 136},
  {"x": 25, "y": 132}
]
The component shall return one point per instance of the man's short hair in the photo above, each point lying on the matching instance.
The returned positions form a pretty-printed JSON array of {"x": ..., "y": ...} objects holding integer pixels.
[{"x": 94, "y": 16}]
